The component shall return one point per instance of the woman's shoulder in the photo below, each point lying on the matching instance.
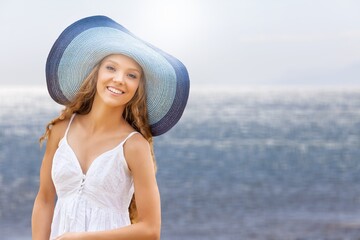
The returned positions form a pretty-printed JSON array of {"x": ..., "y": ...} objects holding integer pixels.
[
  {"x": 133, "y": 136},
  {"x": 56, "y": 133},
  {"x": 137, "y": 152},
  {"x": 58, "y": 129},
  {"x": 136, "y": 142}
]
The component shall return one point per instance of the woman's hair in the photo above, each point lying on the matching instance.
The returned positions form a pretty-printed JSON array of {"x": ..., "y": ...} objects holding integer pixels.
[{"x": 135, "y": 114}]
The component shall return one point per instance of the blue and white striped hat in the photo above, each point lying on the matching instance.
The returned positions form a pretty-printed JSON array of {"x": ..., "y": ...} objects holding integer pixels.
[{"x": 87, "y": 41}]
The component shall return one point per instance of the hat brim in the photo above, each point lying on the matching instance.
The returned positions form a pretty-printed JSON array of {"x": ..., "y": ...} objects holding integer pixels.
[{"x": 86, "y": 42}]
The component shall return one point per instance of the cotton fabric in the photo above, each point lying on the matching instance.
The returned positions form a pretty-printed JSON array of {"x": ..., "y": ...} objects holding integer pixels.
[{"x": 95, "y": 201}]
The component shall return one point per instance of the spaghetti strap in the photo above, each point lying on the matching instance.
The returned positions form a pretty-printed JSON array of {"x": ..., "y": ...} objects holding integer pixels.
[
  {"x": 129, "y": 136},
  {"x": 67, "y": 129}
]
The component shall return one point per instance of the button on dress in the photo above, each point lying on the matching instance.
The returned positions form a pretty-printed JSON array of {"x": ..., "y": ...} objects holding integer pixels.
[{"x": 95, "y": 201}]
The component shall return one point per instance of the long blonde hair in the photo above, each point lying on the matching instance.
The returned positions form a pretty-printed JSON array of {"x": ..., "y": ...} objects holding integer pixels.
[{"x": 135, "y": 114}]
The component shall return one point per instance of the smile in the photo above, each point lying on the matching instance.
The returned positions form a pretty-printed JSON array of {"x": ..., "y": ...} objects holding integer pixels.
[{"x": 114, "y": 90}]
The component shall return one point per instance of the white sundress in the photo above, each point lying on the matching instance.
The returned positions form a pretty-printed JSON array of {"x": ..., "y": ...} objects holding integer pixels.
[{"x": 95, "y": 201}]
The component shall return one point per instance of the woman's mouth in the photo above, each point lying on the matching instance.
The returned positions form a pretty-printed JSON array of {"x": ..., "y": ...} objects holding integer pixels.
[{"x": 114, "y": 90}]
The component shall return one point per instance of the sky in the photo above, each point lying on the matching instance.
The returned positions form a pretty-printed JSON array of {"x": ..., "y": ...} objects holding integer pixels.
[{"x": 221, "y": 42}]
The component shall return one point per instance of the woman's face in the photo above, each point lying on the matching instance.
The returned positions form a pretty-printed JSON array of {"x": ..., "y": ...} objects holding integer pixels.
[{"x": 118, "y": 79}]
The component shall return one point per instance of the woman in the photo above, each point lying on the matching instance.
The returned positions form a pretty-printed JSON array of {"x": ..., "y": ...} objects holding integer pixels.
[{"x": 118, "y": 92}]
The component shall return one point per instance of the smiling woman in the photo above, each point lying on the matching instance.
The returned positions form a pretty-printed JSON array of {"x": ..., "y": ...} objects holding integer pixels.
[
  {"x": 118, "y": 80},
  {"x": 99, "y": 161}
]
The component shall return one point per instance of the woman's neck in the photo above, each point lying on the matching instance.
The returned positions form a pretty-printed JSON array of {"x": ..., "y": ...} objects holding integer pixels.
[{"x": 103, "y": 119}]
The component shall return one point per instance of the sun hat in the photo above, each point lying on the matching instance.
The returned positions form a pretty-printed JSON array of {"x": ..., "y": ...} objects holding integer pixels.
[{"x": 87, "y": 41}]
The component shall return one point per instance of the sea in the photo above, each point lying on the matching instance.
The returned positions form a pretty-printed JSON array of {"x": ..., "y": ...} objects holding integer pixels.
[{"x": 244, "y": 162}]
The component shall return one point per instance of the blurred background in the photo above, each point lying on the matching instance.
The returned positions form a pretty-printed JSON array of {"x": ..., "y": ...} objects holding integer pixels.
[{"x": 268, "y": 146}]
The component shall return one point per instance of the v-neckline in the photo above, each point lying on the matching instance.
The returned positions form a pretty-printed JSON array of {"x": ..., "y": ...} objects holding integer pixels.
[
  {"x": 93, "y": 161},
  {"x": 85, "y": 173},
  {"x": 96, "y": 158}
]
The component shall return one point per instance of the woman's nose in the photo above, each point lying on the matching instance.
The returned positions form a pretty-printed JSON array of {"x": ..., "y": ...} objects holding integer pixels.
[{"x": 118, "y": 78}]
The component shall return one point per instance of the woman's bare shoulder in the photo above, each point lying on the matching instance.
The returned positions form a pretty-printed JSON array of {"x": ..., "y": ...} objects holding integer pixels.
[
  {"x": 136, "y": 142},
  {"x": 137, "y": 151},
  {"x": 58, "y": 129}
]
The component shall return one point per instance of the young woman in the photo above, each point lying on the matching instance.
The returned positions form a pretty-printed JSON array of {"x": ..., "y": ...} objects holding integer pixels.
[{"x": 97, "y": 179}]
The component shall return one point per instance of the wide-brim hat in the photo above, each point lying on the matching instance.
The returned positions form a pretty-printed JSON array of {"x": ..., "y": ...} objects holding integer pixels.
[{"x": 87, "y": 41}]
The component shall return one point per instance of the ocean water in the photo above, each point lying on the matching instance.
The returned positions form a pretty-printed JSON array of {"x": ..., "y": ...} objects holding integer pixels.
[{"x": 242, "y": 163}]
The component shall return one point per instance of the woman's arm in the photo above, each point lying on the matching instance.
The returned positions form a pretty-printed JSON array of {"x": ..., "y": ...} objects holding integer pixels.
[
  {"x": 138, "y": 157},
  {"x": 45, "y": 200}
]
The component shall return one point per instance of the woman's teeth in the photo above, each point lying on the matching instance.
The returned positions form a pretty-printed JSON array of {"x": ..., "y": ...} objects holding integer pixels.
[{"x": 113, "y": 90}]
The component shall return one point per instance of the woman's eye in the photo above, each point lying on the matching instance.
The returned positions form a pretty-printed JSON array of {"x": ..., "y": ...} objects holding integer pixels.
[
  {"x": 110, "y": 68},
  {"x": 132, "y": 76}
]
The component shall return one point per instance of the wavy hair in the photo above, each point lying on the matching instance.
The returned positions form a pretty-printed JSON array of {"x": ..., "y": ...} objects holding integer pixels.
[{"x": 135, "y": 114}]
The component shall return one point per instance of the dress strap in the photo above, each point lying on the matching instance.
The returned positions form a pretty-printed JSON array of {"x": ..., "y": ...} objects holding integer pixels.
[
  {"x": 129, "y": 136},
  {"x": 71, "y": 119}
]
